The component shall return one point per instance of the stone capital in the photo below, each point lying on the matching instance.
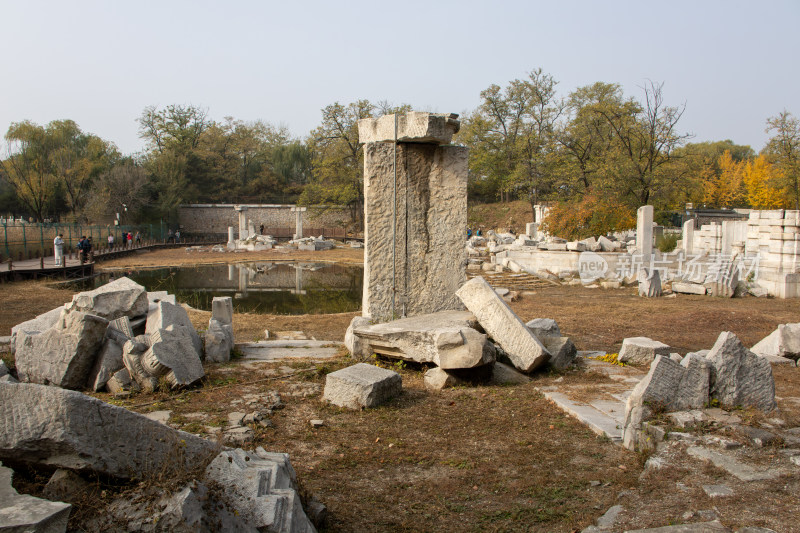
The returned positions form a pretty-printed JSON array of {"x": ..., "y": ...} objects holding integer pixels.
[{"x": 412, "y": 127}]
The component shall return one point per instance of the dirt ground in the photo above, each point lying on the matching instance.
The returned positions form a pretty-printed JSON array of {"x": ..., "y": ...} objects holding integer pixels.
[{"x": 468, "y": 459}]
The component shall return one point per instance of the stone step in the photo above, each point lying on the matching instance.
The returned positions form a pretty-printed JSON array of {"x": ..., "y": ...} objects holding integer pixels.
[{"x": 598, "y": 421}]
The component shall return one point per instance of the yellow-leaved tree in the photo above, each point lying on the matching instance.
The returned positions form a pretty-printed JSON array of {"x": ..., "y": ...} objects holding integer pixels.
[
  {"x": 725, "y": 186},
  {"x": 762, "y": 179}
]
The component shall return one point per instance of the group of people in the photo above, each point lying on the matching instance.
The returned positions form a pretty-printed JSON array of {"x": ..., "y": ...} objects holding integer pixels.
[
  {"x": 478, "y": 232},
  {"x": 174, "y": 237},
  {"x": 127, "y": 239},
  {"x": 85, "y": 245}
]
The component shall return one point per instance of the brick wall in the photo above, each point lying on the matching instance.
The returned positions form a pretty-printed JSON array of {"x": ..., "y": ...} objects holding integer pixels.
[{"x": 215, "y": 218}]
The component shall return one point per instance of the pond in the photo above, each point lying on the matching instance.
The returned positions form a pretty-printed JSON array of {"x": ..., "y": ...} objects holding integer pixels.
[{"x": 273, "y": 288}]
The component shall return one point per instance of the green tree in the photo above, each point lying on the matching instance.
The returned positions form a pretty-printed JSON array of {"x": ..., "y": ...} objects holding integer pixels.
[
  {"x": 28, "y": 167},
  {"x": 783, "y": 149}
]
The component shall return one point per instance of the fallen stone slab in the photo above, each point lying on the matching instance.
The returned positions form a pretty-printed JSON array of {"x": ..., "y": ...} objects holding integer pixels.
[
  {"x": 412, "y": 127},
  {"x": 731, "y": 464},
  {"x": 36, "y": 325},
  {"x": 172, "y": 355},
  {"x": 361, "y": 385},
  {"x": 596, "y": 420},
  {"x": 738, "y": 376},
  {"x": 503, "y": 374},
  {"x": 288, "y": 349},
  {"x": 715, "y": 526},
  {"x": 783, "y": 342},
  {"x": 605, "y": 244},
  {"x": 562, "y": 352},
  {"x": 161, "y": 296},
  {"x": 50, "y": 426},
  {"x": 23, "y": 513},
  {"x": 261, "y": 488},
  {"x": 62, "y": 355},
  {"x": 165, "y": 315},
  {"x": 688, "y": 288},
  {"x": 641, "y": 350},
  {"x": 543, "y": 327},
  {"x": 446, "y": 339},
  {"x": 121, "y": 297},
  {"x": 524, "y": 350}
]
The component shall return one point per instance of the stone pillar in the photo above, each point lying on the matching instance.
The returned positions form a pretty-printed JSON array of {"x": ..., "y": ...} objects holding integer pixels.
[
  {"x": 242, "y": 210},
  {"x": 688, "y": 237},
  {"x": 413, "y": 235},
  {"x": 231, "y": 272},
  {"x": 532, "y": 229},
  {"x": 644, "y": 231},
  {"x": 726, "y": 242},
  {"x": 298, "y": 279},
  {"x": 231, "y": 242},
  {"x": 298, "y": 221}
]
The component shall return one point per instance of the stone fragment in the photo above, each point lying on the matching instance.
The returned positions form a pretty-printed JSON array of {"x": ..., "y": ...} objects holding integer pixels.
[
  {"x": 503, "y": 374},
  {"x": 3, "y": 369},
  {"x": 714, "y": 526},
  {"x": 723, "y": 281},
  {"x": 649, "y": 283},
  {"x": 606, "y": 245},
  {"x": 160, "y": 296},
  {"x": 36, "y": 325},
  {"x": 119, "y": 382},
  {"x": 65, "y": 486},
  {"x": 783, "y": 342},
  {"x": 121, "y": 297},
  {"x": 641, "y": 350},
  {"x": 524, "y": 350},
  {"x": 412, "y": 127},
  {"x": 218, "y": 342},
  {"x": 172, "y": 355},
  {"x": 437, "y": 378},
  {"x": 543, "y": 327},
  {"x": 162, "y": 417},
  {"x": 576, "y": 246},
  {"x": 759, "y": 437},
  {"x": 351, "y": 341},
  {"x": 165, "y": 315},
  {"x": 688, "y": 288},
  {"x": 61, "y": 428},
  {"x": 22, "y": 513},
  {"x": 562, "y": 352},
  {"x": 445, "y": 339},
  {"x": 62, "y": 355},
  {"x": 120, "y": 328},
  {"x": 261, "y": 488},
  {"x": 222, "y": 309},
  {"x": 739, "y": 377},
  {"x": 109, "y": 361},
  {"x": 361, "y": 385}
]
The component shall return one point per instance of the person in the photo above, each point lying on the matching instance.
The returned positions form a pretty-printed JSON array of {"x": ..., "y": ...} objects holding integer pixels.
[
  {"x": 58, "y": 249},
  {"x": 469, "y": 233},
  {"x": 110, "y": 241},
  {"x": 261, "y": 229},
  {"x": 82, "y": 244},
  {"x": 478, "y": 233},
  {"x": 89, "y": 248},
  {"x": 170, "y": 236},
  {"x": 130, "y": 239},
  {"x": 178, "y": 236},
  {"x": 138, "y": 239}
]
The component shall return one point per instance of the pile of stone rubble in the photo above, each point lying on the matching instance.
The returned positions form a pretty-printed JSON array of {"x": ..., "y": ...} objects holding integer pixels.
[{"x": 119, "y": 337}]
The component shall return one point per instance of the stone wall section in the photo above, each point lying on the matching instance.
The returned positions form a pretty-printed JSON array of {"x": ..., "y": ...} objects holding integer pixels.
[{"x": 215, "y": 218}]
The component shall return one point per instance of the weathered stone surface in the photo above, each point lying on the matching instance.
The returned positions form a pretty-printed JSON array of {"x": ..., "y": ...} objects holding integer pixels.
[
  {"x": 361, "y": 385},
  {"x": 120, "y": 328},
  {"x": 562, "y": 352},
  {"x": 219, "y": 342},
  {"x": 723, "y": 281},
  {"x": 438, "y": 379},
  {"x": 121, "y": 297},
  {"x": 120, "y": 382},
  {"x": 222, "y": 310},
  {"x": 446, "y": 339},
  {"x": 424, "y": 258},
  {"x": 351, "y": 342},
  {"x": 3, "y": 369},
  {"x": 262, "y": 489},
  {"x": 109, "y": 361},
  {"x": 697, "y": 527},
  {"x": 641, "y": 350},
  {"x": 165, "y": 315},
  {"x": 62, "y": 355},
  {"x": 506, "y": 375},
  {"x": 649, "y": 283},
  {"x": 739, "y": 377},
  {"x": 543, "y": 327},
  {"x": 172, "y": 354},
  {"x": 64, "y": 486},
  {"x": 22, "y": 513},
  {"x": 605, "y": 244},
  {"x": 36, "y": 325},
  {"x": 412, "y": 127},
  {"x": 161, "y": 296},
  {"x": 688, "y": 288},
  {"x": 524, "y": 350},
  {"x": 51, "y": 426},
  {"x": 783, "y": 342}
]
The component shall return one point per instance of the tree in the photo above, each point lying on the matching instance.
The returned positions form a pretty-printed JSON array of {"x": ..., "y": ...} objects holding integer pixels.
[
  {"x": 725, "y": 188},
  {"x": 27, "y": 165},
  {"x": 121, "y": 189},
  {"x": 783, "y": 148},
  {"x": 763, "y": 184}
]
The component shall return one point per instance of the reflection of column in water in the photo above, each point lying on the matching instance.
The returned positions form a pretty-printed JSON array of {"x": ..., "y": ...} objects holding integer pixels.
[
  {"x": 298, "y": 278},
  {"x": 244, "y": 274},
  {"x": 231, "y": 272}
]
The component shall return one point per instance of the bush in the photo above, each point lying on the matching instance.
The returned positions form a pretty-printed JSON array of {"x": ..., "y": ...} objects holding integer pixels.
[
  {"x": 588, "y": 216},
  {"x": 667, "y": 243}
]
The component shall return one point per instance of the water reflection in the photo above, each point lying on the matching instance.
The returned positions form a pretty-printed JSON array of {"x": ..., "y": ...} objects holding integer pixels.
[{"x": 280, "y": 288}]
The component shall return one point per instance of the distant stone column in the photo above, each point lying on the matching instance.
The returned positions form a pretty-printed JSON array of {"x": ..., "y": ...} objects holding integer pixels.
[
  {"x": 231, "y": 242},
  {"x": 726, "y": 244},
  {"x": 298, "y": 221},
  {"x": 688, "y": 237},
  {"x": 414, "y": 235},
  {"x": 242, "y": 210},
  {"x": 644, "y": 231},
  {"x": 532, "y": 229}
]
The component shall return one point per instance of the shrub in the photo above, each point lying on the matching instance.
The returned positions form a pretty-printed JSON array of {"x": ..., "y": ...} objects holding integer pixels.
[
  {"x": 667, "y": 243},
  {"x": 588, "y": 216}
]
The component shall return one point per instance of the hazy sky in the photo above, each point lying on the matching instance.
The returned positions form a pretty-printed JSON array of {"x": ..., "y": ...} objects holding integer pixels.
[{"x": 733, "y": 63}]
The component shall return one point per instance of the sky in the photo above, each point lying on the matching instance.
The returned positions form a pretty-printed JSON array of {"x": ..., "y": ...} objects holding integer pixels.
[{"x": 733, "y": 64}]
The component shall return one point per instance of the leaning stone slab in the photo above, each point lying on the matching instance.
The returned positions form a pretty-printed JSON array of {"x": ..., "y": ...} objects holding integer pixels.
[
  {"x": 543, "y": 327},
  {"x": 503, "y": 325},
  {"x": 688, "y": 288},
  {"x": 641, "y": 350},
  {"x": 165, "y": 315},
  {"x": 361, "y": 385},
  {"x": 61, "y": 428},
  {"x": 412, "y": 127},
  {"x": 108, "y": 362},
  {"x": 121, "y": 297},
  {"x": 27, "y": 514},
  {"x": 783, "y": 342},
  {"x": 261, "y": 488},
  {"x": 172, "y": 354},
  {"x": 739, "y": 377},
  {"x": 62, "y": 355},
  {"x": 446, "y": 339}
]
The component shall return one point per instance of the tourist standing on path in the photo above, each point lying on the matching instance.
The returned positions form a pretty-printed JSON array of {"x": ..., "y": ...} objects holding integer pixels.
[
  {"x": 82, "y": 244},
  {"x": 138, "y": 239},
  {"x": 178, "y": 236},
  {"x": 130, "y": 239},
  {"x": 58, "y": 249},
  {"x": 170, "y": 236},
  {"x": 110, "y": 241}
]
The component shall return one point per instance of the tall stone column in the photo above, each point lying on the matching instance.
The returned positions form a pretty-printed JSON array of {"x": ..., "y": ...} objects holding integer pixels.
[
  {"x": 414, "y": 259},
  {"x": 644, "y": 231},
  {"x": 298, "y": 221},
  {"x": 242, "y": 210},
  {"x": 688, "y": 237},
  {"x": 231, "y": 242}
]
